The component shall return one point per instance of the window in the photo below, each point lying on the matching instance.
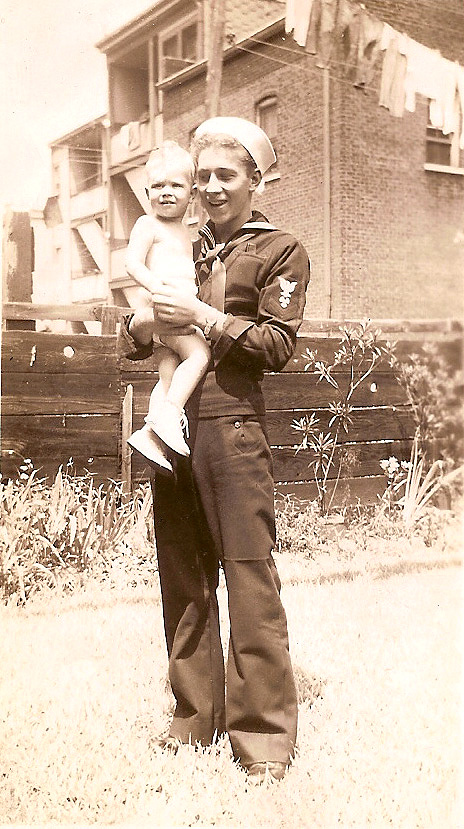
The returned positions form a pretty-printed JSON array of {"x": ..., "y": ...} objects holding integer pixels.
[
  {"x": 86, "y": 168},
  {"x": 179, "y": 48},
  {"x": 84, "y": 264},
  {"x": 442, "y": 151},
  {"x": 266, "y": 118}
]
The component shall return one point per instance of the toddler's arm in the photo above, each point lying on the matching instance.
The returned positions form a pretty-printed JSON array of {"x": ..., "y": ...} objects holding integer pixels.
[{"x": 142, "y": 238}]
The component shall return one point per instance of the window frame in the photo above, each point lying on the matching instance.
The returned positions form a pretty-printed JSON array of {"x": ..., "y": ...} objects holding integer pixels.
[
  {"x": 175, "y": 30},
  {"x": 456, "y": 156},
  {"x": 267, "y": 102}
]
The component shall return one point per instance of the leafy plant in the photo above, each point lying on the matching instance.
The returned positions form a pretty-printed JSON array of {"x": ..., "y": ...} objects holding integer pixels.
[
  {"x": 418, "y": 484},
  {"x": 46, "y": 530},
  {"x": 434, "y": 392},
  {"x": 361, "y": 352}
]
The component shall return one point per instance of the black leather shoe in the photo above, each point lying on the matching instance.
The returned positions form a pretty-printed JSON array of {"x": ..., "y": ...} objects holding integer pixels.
[{"x": 265, "y": 772}]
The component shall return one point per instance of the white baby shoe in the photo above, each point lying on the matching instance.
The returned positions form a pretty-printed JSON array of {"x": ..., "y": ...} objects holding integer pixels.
[{"x": 148, "y": 444}]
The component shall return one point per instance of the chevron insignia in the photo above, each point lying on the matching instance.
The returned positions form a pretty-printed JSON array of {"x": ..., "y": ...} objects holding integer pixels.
[{"x": 286, "y": 290}]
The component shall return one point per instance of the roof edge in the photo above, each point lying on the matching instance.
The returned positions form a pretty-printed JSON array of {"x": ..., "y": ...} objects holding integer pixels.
[
  {"x": 228, "y": 53},
  {"x": 105, "y": 44},
  {"x": 72, "y": 133}
]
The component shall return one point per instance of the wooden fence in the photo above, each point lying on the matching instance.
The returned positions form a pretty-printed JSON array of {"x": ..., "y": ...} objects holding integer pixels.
[{"x": 70, "y": 396}]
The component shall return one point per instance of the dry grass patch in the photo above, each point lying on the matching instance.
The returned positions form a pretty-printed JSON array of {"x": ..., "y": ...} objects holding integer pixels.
[{"x": 84, "y": 688}]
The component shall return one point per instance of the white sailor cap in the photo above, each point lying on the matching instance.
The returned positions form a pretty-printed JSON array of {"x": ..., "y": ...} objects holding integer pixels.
[{"x": 249, "y": 135}]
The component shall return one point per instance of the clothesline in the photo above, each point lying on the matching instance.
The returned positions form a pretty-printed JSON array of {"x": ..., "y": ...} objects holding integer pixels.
[
  {"x": 408, "y": 67},
  {"x": 307, "y": 69}
]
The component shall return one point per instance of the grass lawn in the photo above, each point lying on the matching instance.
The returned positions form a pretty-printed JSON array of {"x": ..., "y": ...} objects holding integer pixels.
[{"x": 378, "y": 661}]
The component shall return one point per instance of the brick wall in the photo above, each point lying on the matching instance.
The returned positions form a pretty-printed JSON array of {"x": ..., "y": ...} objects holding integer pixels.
[{"x": 395, "y": 249}]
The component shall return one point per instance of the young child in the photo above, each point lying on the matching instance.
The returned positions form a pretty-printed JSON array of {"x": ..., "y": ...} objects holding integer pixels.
[{"x": 160, "y": 253}]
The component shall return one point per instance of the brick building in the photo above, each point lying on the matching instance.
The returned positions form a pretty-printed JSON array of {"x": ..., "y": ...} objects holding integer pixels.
[{"x": 376, "y": 199}]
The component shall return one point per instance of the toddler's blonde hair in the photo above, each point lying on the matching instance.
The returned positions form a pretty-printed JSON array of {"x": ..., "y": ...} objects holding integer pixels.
[{"x": 171, "y": 151}]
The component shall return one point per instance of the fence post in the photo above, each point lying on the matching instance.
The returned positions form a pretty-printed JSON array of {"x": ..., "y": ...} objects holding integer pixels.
[
  {"x": 109, "y": 317},
  {"x": 126, "y": 431}
]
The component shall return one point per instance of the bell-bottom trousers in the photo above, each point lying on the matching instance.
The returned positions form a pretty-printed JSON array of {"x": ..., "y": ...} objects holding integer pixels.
[{"x": 219, "y": 508}]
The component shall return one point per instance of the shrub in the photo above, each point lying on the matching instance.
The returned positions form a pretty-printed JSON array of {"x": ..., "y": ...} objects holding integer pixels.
[
  {"x": 71, "y": 525},
  {"x": 360, "y": 352},
  {"x": 434, "y": 392}
]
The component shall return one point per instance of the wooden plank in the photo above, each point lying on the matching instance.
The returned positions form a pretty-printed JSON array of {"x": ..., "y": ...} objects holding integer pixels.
[
  {"x": 450, "y": 345},
  {"x": 451, "y": 348},
  {"x": 368, "y": 424},
  {"x": 301, "y": 391},
  {"x": 57, "y": 353},
  {"x": 289, "y": 466},
  {"x": 134, "y": 367},
  {"x": 60, "y": 393},
  {"x": 101, "y": 469},
  {"x": 349, "y": 491},
  {"x": 126, "y": 431},
  {"x": 60, "y": 436},
  {"x": 312, "y": 327},
  {"x": 78, "y": 312}
]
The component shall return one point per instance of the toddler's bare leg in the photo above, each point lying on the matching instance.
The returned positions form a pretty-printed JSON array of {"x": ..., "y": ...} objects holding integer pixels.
[
  {"x": 168, "y": 418},
  {"x": 194, "y": 353},
  {"x": 168, "y": 361}
]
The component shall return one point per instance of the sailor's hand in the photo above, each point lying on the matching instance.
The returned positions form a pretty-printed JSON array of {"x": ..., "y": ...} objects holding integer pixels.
[{"x": 175, "y": 306}]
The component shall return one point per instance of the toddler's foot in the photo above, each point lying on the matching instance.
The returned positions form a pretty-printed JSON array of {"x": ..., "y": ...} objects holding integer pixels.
[
  {"x": 166, "y": 423},
  {"x": 147, "y": 443}
]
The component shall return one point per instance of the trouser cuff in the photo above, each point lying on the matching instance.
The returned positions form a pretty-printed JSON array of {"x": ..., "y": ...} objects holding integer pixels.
[{"x": 127, "y": 346}]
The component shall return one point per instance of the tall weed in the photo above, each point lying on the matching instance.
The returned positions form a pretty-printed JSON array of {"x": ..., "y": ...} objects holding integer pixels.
[{"x": 71, "y": 525}]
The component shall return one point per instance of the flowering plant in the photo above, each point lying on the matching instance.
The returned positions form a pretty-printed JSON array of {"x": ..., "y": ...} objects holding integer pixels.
[
  {"x": 419, "y": 486},
  {"x": 360, "y": 352}
]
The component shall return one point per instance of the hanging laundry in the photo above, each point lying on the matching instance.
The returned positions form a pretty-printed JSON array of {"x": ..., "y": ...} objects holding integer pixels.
[
  {"x": 421, "y": 73},
  {"x": 388, "y": 33},
  {"x": 444, "y": 106},
  {"x": 392, "y": 94},
  {"x": 460, "y": 74},
  {"x": 297, "y": 15},
  {"x": 347, "y": 29},
  {"x": 130, "y": 135},
  {"x": 370, "y": 34},
  {"x": 321, "y": 31},
  {"x": 360, "y": 34}
]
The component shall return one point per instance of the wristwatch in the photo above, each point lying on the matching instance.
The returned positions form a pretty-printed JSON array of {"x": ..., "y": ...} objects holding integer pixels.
[{"x": 210, "y": 323}]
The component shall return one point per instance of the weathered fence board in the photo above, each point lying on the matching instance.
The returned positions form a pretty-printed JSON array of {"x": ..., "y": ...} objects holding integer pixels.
[
  {"x": 382, "y": 424},
  {"x": 43, "y": 353},
  {"x": 296, "y": 391},
  {"x": 56, "y": 435},
  {"x": 348, "y": 490},
  {"x": 393, "y": 423},
  {"x": 390, "y": 423},
  {"x": 60, "y": 400},
  {"x": 450, "y": 346},
  {"x": 59, "y": 393},
  {"x": 291, "y": 466},
  {"x": 102, "y": 469}
]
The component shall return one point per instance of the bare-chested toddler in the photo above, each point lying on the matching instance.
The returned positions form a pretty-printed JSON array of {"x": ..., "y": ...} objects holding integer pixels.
[{"x": 160, "y": 253}]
